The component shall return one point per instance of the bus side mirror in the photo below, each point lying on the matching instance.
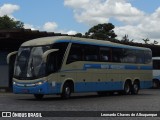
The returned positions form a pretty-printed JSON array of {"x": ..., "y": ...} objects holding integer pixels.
[
  {"x": 45, "y": 54},
  {"x": 10, "y": 55}
]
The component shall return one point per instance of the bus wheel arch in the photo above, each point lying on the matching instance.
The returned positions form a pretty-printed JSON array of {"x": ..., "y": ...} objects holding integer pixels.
[
  {"x": 135, "y": 86},
  {"x": 67, "y": 89},
  {"x": 127, "y": 87}
]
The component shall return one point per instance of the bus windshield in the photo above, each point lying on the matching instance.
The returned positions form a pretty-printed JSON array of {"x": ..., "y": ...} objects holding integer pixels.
[{"x": 29, "y": 62}]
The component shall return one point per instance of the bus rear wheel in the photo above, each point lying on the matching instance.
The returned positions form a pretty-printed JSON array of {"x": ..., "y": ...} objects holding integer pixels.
[
  {"x": 102, "y": 93},
  {"x": 156, "y": 84},
  {"x": 66, "y": 93},
  {"x": 38, "y": 96},
  {"x": 135, "y": 88}
]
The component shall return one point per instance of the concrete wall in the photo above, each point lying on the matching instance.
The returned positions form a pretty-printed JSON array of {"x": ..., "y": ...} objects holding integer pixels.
[
  {"x": 4, "y": 79},
  {"x": 4, "y": 72}
]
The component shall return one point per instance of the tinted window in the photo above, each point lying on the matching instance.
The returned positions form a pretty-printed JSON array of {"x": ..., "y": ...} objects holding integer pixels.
[
  {"x": 53, "y": 63},
  {"x": 140, "y": 56},
  {"x": 75, "y": 54},
  {"x": 156, "y": 64},
  {"x": 91, "y": 53},
  {"x": 82, "y": 52},
  {"x": 148, "y": 56},
  {"x": 129, "y": 56},
  {"x": 61, "y": 52},
  {"x": 117, "y": 54},
  {"x": 105, "y": 54}
]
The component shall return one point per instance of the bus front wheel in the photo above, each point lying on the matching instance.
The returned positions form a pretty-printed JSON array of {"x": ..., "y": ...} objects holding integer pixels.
[
  {"x": 66, "y": 93},
  {"x": 38, "y": 96}
]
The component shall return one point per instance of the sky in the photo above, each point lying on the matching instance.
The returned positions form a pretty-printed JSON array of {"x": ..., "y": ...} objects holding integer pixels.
[{"x": 139, "y": 19}]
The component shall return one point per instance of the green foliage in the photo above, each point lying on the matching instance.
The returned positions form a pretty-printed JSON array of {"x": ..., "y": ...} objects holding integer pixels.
[
  {"x": 155, "y": 42},
  {"x": 102, "y": 31},
  {"x": 125, "y": 39},
  {"x": 78, "y": 35},
  {"x": 146, "y": 40},
  {"x": 9, "y": 23}
]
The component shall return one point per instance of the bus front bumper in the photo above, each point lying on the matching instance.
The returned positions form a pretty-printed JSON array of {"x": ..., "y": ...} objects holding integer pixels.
[{"x": 44, "y": 88}]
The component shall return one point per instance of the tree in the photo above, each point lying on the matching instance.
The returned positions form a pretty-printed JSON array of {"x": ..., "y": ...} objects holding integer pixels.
[
  {"x": 125, "y": 39},
  {"x": 78, "y": 35},
  {"x": 146, "y": 40},
  {"x": 102, "y": 31},
  {"x": 155, "y": 42},
  {"x": 9, "y": 23}
]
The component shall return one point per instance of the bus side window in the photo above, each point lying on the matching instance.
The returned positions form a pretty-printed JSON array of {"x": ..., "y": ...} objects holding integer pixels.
[
  {"x": 105, "y": 54},
  {"x": 148, "y": 56},
  {"x": 156, "y": 64},
  {"x": 75, "y": 53},
  {"x": 117, "y": 55},
  {"x": 140, "y": 56},
  {"x": 62, "y": 47},
  {"x": 129, "y": 56},
  {"x": 91, "y": 53},
  {"x": 52, "y": 63}
]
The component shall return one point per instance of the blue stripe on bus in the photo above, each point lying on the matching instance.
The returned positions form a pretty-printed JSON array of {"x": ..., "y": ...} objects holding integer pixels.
[
  {"x": 146, "y": 67},
  {"x": 107, "y": 66},
  {"x": 46, "y": 88},
  {"x": 131, "y": 67},
  {"x": 97, "y": 86},
  {"x": 106, "y": 86},
  {"x": 98, "y": 44},
  {"x": 60, "y": 41}
]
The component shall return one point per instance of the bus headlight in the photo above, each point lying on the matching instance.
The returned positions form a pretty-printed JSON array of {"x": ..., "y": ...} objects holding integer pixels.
[
  {"x": 14, "y": 83},
  {"x": 39, "y": 83},
  {"x": 29, "y": 84}
]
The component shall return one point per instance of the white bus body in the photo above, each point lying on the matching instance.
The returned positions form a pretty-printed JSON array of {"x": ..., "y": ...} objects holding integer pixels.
[{"x": 65, "y": 65}]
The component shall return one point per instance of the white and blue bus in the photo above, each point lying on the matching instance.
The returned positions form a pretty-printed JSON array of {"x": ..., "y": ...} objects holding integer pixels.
[{"x": 64, "y": 65}]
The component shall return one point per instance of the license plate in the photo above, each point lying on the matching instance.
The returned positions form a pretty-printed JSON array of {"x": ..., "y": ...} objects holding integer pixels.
[{"x": 25, "y": 91}]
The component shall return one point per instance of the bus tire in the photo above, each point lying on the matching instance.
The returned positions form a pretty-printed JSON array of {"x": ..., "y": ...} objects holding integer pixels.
[
  {"x": 38, "y": 96},
  {"x": 66, "y": 92},
  {"x": 156, "y": 83},
  {"x": 127, "y": 88},
  {"x": 135, "y": 88},
  {"x": 101, "y": 93}
]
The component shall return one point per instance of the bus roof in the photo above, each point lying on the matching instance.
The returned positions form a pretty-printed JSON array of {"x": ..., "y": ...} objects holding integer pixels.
[{"x": 57, "y": 39}]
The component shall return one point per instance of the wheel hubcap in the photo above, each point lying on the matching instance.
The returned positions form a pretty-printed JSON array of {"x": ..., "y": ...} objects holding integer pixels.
[
  {"x": 67, "y": 90},
  {"x": 154, "y": 84},
  {"x": 135, "y": 87},
  {"x": 127, "y": 89}
]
